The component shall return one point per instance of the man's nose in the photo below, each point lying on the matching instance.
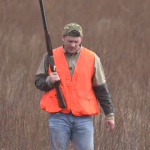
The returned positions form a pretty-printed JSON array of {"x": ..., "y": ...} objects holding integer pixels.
[{"x": 73, "y": 44}]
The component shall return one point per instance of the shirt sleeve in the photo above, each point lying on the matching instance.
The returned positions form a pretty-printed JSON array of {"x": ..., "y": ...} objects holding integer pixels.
[
  {"x": 101, "y": 89},
  {"x": 43, "y": 69},
  {"x": 99, "y": 76},
  {"x": 42, "y": 81}
]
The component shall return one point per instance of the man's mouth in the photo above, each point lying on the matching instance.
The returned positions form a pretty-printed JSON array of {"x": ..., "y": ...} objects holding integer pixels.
[{"x": 72, "y": 49}]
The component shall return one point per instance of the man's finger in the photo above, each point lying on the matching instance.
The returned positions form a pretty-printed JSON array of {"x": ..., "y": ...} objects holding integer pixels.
[{"x": 54, "y": 73}]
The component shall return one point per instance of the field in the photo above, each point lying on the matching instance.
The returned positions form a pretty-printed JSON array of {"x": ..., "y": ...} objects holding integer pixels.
[{"x": 118, "y": 31}]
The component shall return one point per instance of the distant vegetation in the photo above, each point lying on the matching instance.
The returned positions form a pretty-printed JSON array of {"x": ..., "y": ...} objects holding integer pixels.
[{"x": 118, "y": 31}]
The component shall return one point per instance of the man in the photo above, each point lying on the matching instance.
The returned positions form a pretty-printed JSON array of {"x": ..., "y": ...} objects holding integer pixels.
[{"x": 83, "y": 85}]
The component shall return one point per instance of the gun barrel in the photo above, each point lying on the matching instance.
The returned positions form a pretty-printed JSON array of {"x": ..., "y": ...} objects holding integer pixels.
[{"x": 43, "y": 15}]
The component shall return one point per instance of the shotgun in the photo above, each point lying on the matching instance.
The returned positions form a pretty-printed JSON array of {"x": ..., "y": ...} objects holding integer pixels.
[{"x": 60, "y": 97}]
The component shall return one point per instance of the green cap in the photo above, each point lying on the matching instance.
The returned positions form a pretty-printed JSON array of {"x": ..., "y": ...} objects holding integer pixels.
[{"x": 72, "y": 26}]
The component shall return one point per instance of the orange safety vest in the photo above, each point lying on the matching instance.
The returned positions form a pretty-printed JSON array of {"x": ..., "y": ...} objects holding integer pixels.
[{"x": 77, "y": 90}]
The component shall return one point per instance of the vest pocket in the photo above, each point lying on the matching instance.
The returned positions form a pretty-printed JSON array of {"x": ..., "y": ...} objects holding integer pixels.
[
  {"x": 85, "y": 95},
  {"x": 53, "y": 95}
]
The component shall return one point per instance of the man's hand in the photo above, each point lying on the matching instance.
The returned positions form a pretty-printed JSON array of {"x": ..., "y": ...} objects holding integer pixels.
[
  {"x": 110, "y": 124},
  {"x": 53, "y": 77}
]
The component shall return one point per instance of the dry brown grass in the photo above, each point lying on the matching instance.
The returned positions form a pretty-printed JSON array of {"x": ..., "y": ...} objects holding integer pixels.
[{"x": 118, "y": 31}]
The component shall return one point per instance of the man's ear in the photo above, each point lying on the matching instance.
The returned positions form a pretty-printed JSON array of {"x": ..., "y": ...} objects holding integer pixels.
[
  {"x": 62, "y": 36},
  {"x": 81, "y": 38}
]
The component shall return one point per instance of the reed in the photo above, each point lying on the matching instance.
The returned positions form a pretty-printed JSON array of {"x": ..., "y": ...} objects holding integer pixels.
[{"x": 117, "y": 31}]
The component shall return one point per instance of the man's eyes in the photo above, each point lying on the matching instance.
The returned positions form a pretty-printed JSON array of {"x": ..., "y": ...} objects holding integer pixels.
[{"x": 73, "y": 41}]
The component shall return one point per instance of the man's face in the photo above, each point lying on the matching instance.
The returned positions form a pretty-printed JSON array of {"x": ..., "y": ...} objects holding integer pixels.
[{"x": 71, "y": 44}]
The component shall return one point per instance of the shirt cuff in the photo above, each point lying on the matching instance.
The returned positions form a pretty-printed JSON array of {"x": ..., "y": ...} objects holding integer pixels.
[
  {"x": 110, "y": 116},
  {"x": 48, "y": 82}
]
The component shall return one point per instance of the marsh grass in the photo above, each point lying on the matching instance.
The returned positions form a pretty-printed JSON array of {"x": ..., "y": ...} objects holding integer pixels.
[{"x": 117, "y": 31}]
